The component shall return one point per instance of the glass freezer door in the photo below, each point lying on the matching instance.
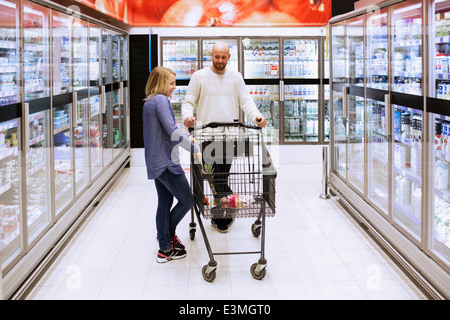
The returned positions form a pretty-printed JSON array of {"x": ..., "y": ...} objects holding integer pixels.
[
  {"x": 261, "y": 58},
  {"x": 301, "y": 113},
  {"x": 377, "y": 154},
  {"x": 80, "y": 54},
  {"x": 115, "y": 58},
  {"x": 10, "y": 192},
  {"x": 301, "y": 58},
  {"x": 9, "y": 53},
  {"x": 180, "y": 55},
  {"x": 81, "y": 136},
  {"x": 36, "y": 51},
  {"x": 267, "y": 100},
  {"x": 96, "y": 161},
  {"x": 38, "y": 174},
  {"x": 207, "y": 45},
  {"x": 64, "y": 167},
  {"x": 377, "y": 50},
  {"x": 62, "y": 53},
  {"x": 406, "y": 29},
  {"x": 377, "y": 133},
  {"x": 355, "y": 148},
  {"x": 116, "y": 108},
  {"x": 440, "y": 219},
  {"x": 340, "y": 85},
  {"x": 407, "y": 167}
]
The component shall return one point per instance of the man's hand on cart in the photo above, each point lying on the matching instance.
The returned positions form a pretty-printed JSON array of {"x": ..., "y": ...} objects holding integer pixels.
[
  {"x": 261, "y": 122},
  {"x": 189, "y": 122}
]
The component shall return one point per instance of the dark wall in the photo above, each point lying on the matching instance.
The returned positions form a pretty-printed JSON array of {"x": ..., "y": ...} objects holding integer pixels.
[
  {"x": 139, "y": 71},
  {"x": 342, "y": 6}
]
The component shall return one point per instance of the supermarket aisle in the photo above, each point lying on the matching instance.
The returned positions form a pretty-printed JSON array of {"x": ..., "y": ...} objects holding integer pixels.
[{"x": 314, "y": 250}]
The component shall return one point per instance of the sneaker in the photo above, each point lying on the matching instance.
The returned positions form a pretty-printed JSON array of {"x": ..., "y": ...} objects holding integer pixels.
[
  {"x": 176, "y": 243},
  {"x": 172, "y": 254},
  {"x": 220, "y": 225}
]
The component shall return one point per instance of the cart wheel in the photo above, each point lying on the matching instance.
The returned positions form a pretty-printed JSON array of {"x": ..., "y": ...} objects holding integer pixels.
[
  {"x": 208, "y": 276},
  {"x": 192, "y": 230},
  {"x": 258, "y": 275},
  {"x": 256, "y": 229}
]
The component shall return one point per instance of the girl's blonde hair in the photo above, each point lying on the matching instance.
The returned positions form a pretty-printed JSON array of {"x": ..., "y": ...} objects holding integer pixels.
[{"x": 158, "y": 81}]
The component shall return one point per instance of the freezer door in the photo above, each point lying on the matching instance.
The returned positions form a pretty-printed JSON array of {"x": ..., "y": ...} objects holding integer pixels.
[
  {"x": 377, "y": 155},
  {"x": 340, "y": 84},
  {"x": 377, "y": 63},
  {"x": 11, "y": 244},
  {"x": 95, "y": 99},
  {"x": 36, "y": 51},
  {"x": 301, "y": 113},
  {"x": 63, "y": 160},
  {"x": 81, "y": 145},
  {"x": 301, "y": 58},
  {"x": 267, "y": 100},
  {"x": 80, "y": 54},
  {"x": 261, "y": 58},
  {"x": 62, "y": 52},
  {"x": 439, "y": 243},
  {"x": 38, "y": 174},
  {"x": 9, "y": 53},
  {"x": 407, "y": 169},
  {"x": 406, "y": 30},
  {"x": 180, "y": 55}
]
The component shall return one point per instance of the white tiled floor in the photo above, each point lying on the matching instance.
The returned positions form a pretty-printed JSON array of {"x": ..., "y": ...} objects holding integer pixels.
[{"x": 313, "y": 248}]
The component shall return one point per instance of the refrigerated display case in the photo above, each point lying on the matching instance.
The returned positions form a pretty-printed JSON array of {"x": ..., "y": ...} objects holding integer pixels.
[
  {"x": 282, "y": 75},
  {"x": 51, "y": 150},
  {"x": 389, "y": 116}
]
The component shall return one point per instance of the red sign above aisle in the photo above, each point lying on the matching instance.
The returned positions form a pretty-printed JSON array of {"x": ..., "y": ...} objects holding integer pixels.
[{"x": 240, "y": 13}]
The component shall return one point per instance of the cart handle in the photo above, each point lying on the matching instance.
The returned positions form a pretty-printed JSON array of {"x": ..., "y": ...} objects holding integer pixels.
[{"x": 223, "y": 124}]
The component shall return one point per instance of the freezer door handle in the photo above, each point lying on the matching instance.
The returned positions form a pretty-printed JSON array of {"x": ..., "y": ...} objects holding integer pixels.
[
  {"x": 102, "y": 99},
  {"x": 387, "y": 114},
  {"x": 74, "y": 109},
  {"x": 281, "y": 90},
  {"x": 345, "y": 91},
  {"x": 121, "y": 93},
  {"x": 26, "y": 127}
]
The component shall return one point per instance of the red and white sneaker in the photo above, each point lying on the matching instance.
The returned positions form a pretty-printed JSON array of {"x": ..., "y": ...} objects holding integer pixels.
[
  {"x": 172, "y": 254},
  {"x": 176, "y": 243}
]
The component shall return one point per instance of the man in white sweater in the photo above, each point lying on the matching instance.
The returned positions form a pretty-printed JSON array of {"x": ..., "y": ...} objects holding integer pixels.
[{"x": 215, "y": 94}]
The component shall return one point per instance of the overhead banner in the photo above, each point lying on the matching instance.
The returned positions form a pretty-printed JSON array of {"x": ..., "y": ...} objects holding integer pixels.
[{"x": 226, "y": 13}]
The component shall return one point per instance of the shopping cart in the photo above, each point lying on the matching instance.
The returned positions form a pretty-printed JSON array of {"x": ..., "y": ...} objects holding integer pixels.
[{"x": 236, "y": 179}]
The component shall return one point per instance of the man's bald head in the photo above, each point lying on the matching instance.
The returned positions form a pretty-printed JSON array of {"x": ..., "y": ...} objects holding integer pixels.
[
  {"x": 220, "y": 55},
  {"x": 221, "y": 47}
]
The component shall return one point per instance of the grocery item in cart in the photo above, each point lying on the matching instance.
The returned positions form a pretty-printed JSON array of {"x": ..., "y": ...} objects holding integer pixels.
[{"x": 236, "y": 201}]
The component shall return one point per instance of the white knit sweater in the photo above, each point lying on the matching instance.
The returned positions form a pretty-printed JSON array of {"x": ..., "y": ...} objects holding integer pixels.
[{"x": 217, "y": 97}]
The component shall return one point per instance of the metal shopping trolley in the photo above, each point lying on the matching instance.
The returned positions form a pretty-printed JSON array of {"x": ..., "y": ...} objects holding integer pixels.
[{"x": 236, "y": 179}]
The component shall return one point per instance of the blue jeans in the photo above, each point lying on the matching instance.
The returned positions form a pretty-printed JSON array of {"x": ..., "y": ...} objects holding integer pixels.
[{"x": 170, "y": 185}]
